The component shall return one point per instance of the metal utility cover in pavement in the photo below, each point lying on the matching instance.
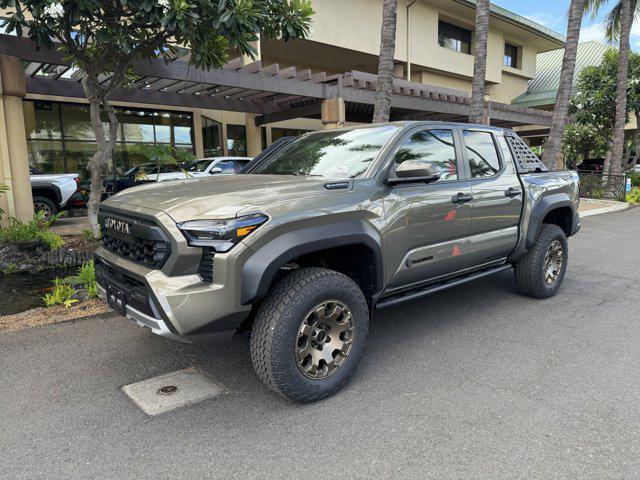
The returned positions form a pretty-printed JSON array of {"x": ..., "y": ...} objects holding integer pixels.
[{"x": 174, "y": 390}]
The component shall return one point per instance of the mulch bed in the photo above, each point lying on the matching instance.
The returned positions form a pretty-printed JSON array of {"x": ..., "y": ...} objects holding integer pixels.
[{"x": 46, "y": 316}]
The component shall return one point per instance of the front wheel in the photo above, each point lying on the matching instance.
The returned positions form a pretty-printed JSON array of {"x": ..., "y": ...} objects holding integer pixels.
[
  {"x": 541, "y": 271},
  {"x": 309, "y": 334}
]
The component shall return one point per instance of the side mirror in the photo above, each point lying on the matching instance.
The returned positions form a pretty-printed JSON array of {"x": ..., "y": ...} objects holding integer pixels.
[
  {"x": 215, "y": 170},
  {"x": 414, "y": 171}
]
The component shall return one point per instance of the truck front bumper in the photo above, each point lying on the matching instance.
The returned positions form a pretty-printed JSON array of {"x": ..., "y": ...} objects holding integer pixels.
[{"x": 179, "y": 307}]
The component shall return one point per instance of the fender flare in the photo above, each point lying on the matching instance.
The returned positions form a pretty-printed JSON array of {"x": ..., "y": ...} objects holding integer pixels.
[
  {"x": 542, "y": 208},
  {"x": 48, "y": 187},
  {"x": 262, "y": 266}
]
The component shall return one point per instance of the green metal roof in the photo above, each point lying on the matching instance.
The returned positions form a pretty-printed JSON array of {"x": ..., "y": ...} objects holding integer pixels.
[
  {"x": 543, "y": 88},
  {"x": 522, "y": 21}
]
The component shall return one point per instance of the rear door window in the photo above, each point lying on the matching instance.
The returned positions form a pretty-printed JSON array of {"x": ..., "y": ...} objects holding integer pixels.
[{"x": 483, "y": 156}]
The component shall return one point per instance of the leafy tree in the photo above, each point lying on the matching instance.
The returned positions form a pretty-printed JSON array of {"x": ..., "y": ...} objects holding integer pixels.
[
  {"x": 101, "y": 38},
  {"x": 594, "y": 103},
  {"x": 578, "y": 141}
]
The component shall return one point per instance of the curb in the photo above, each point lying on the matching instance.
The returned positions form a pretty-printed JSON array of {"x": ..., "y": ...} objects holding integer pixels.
[{"x": 610, "y": 209}]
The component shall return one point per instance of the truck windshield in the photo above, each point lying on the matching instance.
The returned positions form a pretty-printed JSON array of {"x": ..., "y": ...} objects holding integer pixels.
[{"x": 337, "y": 154}]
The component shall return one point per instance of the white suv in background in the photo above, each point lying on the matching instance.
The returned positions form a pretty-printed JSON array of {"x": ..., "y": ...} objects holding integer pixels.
[{"x": 213, "y": 166}]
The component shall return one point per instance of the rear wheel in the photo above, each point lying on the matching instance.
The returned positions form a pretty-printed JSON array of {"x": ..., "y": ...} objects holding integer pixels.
[
  {"x": 309, "y": 334},
  {"x": 541, "y": 271},
  {"x": 44, "y": 205}
]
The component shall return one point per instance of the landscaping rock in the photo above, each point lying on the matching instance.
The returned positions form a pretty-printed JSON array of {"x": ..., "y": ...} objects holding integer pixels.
[{"x": 30, "y": 256}]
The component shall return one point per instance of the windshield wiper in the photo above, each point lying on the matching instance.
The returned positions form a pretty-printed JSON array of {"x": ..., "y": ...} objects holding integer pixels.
[{"x": 305, "y": 174}]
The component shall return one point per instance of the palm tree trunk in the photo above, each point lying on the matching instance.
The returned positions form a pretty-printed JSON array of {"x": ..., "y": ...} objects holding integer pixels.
[
  {"x": 476, "y": 114},
  {"x": 617, "y": 149},
  {"x": 384, "y": 84},
  {"x": 552, "y": 146}
]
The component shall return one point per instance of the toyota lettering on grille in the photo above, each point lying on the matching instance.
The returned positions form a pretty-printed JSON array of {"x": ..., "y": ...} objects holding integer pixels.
[{"x": 119, "y": 226}]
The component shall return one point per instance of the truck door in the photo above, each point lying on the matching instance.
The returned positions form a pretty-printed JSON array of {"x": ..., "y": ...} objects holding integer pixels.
[
  {"x": 429, "y": 224},
  {"x": 497, "y": 195}
]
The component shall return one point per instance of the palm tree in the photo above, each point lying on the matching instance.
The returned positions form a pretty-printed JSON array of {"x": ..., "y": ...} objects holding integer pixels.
[
  {"x": 619, "y": 21},
  {"x": 384, "y": 84},
  {"x": 476, "y": 114},
  {"x": 552, "y": 146}
]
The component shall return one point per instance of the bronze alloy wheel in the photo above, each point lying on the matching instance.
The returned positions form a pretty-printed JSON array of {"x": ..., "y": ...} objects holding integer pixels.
[
  {"x": 553, "y": 262},
  {"x": 324, "y": 339}
]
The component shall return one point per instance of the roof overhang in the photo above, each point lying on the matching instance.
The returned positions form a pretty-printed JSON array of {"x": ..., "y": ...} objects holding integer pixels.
[{"x": 274, "y": 94}]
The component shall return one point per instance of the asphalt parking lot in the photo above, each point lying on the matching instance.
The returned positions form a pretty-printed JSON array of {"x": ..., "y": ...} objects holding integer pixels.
[{"x": 474, "y": 382}]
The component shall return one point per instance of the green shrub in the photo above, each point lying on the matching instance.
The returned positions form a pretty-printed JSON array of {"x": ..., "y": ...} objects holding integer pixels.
[
  {"x": 61, "y": 294},
  {"x": 35, "y": 229},
  {"x": 633, "y": 197},
  {"x": 84, "y": 278},
  {"x": 635, "y": 179}
]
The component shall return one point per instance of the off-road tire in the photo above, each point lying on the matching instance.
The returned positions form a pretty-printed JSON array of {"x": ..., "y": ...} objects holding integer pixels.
[
  {"x": 529, "y": 270},
  {"x": 276, "y": 326},
  {"x": 50, "y": 208}
]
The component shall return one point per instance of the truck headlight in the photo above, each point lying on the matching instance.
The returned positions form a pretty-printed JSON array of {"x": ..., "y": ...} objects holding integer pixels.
[{"x": 221, "y": 235}]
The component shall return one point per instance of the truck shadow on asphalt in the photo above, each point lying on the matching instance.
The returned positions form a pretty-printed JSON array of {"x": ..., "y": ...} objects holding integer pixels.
[{"x": 437, "y": 321}]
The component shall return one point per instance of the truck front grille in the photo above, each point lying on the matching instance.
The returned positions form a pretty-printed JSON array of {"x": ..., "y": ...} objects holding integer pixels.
[
  {"x": 152, "y": 253},
  {"x": 140, "y": 240}
]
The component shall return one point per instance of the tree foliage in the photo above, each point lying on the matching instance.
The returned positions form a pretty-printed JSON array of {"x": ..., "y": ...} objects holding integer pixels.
[
  {"x": 594, "y": 105},
  {"x": 100, "y": 34},
  {"x": 101, "y": 39},
  {"x": 579, "y": 141}
]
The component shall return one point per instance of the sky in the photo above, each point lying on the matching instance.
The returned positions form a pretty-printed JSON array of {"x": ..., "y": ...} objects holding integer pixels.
[{"x": 553, "y": 14}]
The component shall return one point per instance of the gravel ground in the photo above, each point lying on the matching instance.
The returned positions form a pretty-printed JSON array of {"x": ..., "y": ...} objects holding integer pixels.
[
  {"x": 475, "y": 382},
  {"x": 44, "y": 316}
]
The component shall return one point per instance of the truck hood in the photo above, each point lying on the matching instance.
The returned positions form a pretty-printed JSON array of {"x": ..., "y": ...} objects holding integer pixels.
[{"x": 220, "y": 197}]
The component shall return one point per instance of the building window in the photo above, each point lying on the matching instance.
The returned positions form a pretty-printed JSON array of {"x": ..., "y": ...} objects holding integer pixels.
[
  {"x": 60, "y": 138},
  {"x": 237, "y": 140},
  {"x": 212, "y": 138},
  {"x": 510, "y": 55},
  {"x": 277, "y": 133},
  {"x": 454, "y": 38}
]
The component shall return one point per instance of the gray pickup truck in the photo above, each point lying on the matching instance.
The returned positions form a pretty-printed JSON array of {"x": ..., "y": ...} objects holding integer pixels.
[{"x": 313, "y": 238}]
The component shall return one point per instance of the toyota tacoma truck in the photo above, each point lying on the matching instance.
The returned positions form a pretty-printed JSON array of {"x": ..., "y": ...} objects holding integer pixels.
[{"x": 309, "y": 241}]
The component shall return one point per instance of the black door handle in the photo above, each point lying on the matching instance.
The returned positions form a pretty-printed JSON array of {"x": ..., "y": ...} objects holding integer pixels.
[
  {"x": 512, "y": 192},
  {"x": 461, "y": 198}
]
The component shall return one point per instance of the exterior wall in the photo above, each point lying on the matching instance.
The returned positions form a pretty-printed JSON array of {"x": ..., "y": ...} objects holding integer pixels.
[
  {"x": 510, "y": 87},
  {"x": 333, "y": 25}
]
